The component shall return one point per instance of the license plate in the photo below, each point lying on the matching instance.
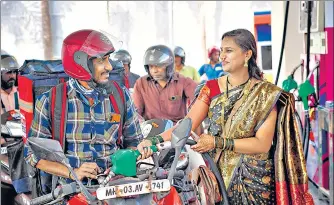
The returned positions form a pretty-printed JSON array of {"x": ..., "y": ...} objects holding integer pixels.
[{"x": 131, "y": 189}]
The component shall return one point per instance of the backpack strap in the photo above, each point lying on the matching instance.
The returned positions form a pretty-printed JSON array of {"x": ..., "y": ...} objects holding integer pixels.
[
  {"x": 117, "y": 100},
  {"x": 126, "y": 81},
  {"x": 58, "y": 111},
  {"x": 58, "y": 115}
]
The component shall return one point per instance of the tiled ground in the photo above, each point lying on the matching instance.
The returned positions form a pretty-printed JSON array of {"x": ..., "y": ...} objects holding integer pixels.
[{"x": 316, "y": 197}]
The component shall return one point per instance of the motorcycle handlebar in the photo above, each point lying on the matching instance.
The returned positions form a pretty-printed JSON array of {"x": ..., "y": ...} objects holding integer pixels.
[
  {"x": 191, "y": 142},
  {"x": 42, "y": 199},
  {"x": 162, "y": 174}
]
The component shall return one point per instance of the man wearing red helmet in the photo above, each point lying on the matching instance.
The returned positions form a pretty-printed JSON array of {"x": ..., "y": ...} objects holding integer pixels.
[
  {"x": 213, "y": 69},
  {"x": 92, "y": 121}
]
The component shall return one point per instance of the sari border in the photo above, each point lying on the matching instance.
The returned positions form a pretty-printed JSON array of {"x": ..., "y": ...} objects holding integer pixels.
[{"x": 269, "y": 111}]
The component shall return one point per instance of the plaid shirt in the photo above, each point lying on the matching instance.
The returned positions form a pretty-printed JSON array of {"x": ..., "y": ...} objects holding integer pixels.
[{"x": 90, "y": 134}]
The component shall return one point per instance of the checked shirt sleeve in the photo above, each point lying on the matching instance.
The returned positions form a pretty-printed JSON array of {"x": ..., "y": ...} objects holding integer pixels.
[{"x": 40, "y": 127}]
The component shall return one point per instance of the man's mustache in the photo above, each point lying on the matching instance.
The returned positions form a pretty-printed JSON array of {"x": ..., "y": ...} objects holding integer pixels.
[{"x": 10, "y": 79}]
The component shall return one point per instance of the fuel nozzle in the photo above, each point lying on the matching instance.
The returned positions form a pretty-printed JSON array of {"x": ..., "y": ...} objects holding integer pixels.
[{"x": 306, "y": 89}]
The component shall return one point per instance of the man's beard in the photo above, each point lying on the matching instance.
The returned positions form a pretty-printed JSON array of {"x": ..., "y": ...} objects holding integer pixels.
[
  {"x": 104, "y": 89},
  {"x": 7, "y": 84}
]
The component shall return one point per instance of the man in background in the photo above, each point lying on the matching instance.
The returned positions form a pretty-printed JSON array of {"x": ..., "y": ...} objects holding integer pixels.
[
  {"x": 125, "y": 57},
  {"x": 162, "y": 94},
  {"x": 9, "y": 93},
  {"x": 214, "y": 68},
  {"x": 187, "y": 71}
]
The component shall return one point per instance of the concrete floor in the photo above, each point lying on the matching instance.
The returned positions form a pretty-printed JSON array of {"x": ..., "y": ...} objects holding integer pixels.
[{"x": 318, "y": 199}]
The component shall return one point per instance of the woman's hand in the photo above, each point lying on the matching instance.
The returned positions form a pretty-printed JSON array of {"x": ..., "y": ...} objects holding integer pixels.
[
  {"x": 144, "y": 149},
  {"x": 204, "y": 144}
]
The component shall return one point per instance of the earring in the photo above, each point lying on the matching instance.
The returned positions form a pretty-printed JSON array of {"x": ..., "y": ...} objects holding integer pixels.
[{"x": 246, "y": 63}]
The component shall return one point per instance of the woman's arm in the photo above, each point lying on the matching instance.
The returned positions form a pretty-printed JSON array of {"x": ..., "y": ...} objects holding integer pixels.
[{"x": 262, "y": 141}]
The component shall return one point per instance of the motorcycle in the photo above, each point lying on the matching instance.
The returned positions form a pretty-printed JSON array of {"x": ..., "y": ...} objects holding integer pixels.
[
  {"x": 155, "y": 185},
  {"x": 11, "y": 133},
  {"x": 194, "y": 159}
]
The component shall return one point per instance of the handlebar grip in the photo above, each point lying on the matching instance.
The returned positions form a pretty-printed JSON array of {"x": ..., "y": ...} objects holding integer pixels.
[
  {"x": 191, "y": 142},
  {"x": 163, "y": 174},
  {"x": 42, "y": 199}
]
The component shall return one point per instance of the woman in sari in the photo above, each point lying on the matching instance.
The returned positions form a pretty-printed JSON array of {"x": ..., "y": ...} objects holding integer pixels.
[{"x": 253, "y": 134}]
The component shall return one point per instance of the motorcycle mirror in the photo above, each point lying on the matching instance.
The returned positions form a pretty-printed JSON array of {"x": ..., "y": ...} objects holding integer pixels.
[
  {"x": 47, "y": 149},
  {"x": 181, "y": 133},
  {"x": 51, "y": 150},
  {"x": 179, "y": 138}
]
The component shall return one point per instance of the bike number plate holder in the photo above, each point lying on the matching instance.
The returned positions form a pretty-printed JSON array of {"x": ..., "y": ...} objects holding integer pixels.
[{"x": 131, "y": 189}]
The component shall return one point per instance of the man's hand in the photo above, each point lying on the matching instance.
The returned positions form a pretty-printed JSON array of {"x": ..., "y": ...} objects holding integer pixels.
[
  {"x": 87, "y": 169},
  {"x": 204, "y": 144},
  {"x": 144, "y": 149}
]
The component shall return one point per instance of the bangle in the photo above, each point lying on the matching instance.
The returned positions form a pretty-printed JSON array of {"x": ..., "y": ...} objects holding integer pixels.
[
  {"x": 229, "y": 144},
  {"x": 153, "y": 139},
  {"x": 159, "y": 137},
  {"x": 233, "y": 147},
  {"x": 224, "y": 143},
  {"x": 69, "y": 175}
]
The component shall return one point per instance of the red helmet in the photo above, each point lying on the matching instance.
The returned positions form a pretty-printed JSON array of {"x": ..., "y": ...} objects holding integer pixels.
[
  {"x": 212, "y": 50},
  {"x": 79, "y": 47}
]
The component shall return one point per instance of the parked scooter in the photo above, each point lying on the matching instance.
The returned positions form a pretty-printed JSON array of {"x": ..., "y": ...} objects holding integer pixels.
[{"x": 11, "y": 133}]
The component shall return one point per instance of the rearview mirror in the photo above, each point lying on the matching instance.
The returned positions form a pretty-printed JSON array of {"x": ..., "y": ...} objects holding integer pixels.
[
  {"x": 181, "y": 133},
  {"x": 47, "y": 149},
  {"x": 51, "y": 150}
]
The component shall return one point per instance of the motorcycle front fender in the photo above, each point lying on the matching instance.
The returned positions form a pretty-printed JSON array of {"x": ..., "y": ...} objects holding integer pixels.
[{"x": 172, "y": 198}]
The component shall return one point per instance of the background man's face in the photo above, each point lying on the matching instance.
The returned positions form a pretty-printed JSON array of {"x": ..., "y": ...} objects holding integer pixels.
[
  {"x": 177, "y": 61},
  {"x": 8, "y": 79},
  {"x": 126, "y": 68},
  {"x": 158, "y": 72}
]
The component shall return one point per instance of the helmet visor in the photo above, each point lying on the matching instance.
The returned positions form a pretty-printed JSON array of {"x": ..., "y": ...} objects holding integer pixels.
[
  {"x": 8, "y": 64},
  {"x": 98, "y": 44},
  {"x": 118, "y": 56},
  {"x": 179, "y": 52},
  {"x": 158, "y": 58}
]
